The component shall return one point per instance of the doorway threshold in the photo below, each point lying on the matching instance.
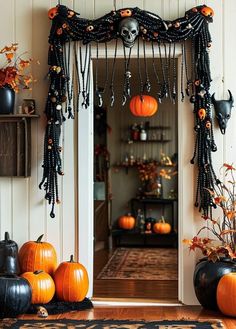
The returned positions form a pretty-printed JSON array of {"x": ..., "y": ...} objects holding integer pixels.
[{"x": 133, "y": 302}]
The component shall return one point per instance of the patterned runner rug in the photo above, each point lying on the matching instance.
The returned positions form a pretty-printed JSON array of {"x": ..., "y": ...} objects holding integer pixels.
[
  {"x": 142, "y": 264},
  {"x": 114, "y": 324}
]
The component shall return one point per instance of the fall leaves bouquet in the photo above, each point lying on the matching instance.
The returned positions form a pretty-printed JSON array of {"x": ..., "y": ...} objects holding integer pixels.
[
  {"x": 14, "y": 72},
  {"x": 223, "y": 227}
]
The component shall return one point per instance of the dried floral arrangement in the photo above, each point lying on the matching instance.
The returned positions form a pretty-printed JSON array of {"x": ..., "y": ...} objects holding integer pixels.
[
  {"x": 223, "y": 197},
  {"x": 150, "y": 171},
  {"x": 14, "y": 72}
]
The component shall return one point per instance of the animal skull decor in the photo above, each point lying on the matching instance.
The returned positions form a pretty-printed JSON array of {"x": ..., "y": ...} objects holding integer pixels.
[
  {"x": 128, "y": 30},
  {"x": 223, "y": 110}
]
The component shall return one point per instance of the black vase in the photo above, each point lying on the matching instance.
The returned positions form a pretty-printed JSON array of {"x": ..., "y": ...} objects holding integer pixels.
[
  {"x": 7, "y": 100},
  {"x": 206, "y": 277}
]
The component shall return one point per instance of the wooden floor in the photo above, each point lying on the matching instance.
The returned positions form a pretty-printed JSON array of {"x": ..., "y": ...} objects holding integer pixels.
[
  {"x": 160, "y": 290},
  {"x": 146, "y": 313},
  {"x": 112, "y": 289}
]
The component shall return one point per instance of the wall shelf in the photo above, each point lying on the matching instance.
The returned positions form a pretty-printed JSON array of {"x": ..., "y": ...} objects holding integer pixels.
[{"x": 15, "y": 144}]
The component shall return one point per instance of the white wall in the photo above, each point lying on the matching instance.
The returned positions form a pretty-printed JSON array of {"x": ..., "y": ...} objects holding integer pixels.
[{"x": 23, "y": 211}]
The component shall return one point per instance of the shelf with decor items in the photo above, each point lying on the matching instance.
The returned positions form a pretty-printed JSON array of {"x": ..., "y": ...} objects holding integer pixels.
[
  {"x": 150, "y": 134},
  {"x": 15, "y": 144},
  {"x": 145, "y": 232}
]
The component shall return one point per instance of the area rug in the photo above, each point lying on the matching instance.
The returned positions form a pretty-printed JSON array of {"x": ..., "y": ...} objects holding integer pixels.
[
  {"x": 112, "y": 324},
  {"x": 142, "y": 264}
]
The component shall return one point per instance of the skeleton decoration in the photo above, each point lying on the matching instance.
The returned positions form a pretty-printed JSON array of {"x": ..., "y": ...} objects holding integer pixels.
[
  {"x": 131, "y": 25},
  {"x": 223, "y": 111},
  {"x": 128, "y": 30}
]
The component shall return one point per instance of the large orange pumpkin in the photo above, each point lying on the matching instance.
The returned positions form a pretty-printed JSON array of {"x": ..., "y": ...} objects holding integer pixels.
[
  {"x": 71, "y": 280},
  {"x": 226, "y": 294},
  {"x": 42, "y": 285},
  {"x": 37, "y": 255},
  {"x": 126, "y": 222},
  {"x": 161, "y": 227},
  {"x": 143, "y": 106}
]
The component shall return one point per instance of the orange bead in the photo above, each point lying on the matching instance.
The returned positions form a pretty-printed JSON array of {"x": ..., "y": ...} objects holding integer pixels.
[{"x": 52, "y": 12}]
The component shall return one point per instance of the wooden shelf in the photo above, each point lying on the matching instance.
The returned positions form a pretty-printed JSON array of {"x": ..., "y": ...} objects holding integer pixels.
[
  {"x": 15, "y": 144},
  {"x": 28, "y": 116},
  {"x": 148, "y": 141}
]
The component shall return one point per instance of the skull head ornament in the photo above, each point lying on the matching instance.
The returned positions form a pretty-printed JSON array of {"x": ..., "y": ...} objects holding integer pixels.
[
  {"x": 223, "y": 111},
  {"x": 128, "y": 30}
]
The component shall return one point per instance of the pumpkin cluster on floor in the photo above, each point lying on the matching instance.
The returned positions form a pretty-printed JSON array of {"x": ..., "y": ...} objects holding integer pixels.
[{"x": 33, "y": 276}]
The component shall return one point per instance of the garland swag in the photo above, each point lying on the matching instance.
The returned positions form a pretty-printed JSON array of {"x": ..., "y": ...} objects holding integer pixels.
[{"x": 129, "y": 24}]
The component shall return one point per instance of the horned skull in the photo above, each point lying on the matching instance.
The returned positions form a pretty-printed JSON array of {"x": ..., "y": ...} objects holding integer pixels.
[
  {"x": 223, "y": 110},
  {"x": 128, "y": 30}
]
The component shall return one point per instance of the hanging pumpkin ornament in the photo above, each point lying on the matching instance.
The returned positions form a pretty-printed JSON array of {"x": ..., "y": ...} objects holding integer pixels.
[{"x": 143, "y": 105}]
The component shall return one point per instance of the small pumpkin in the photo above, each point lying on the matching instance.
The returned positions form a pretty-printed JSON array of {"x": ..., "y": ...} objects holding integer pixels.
[
  {"x": 71, "y": 280},
  {"x": 42, "y": 285},
  {"x": 143, "y": 105},
  {"x": 34, "y": 255},
  {"x": 9, "y": 263},
  {"x": 226, "y": 294},
  {"x": 162, "y": 227},
  {"x": 15, "y": 295},
  {"x": 126, "y": 222}
]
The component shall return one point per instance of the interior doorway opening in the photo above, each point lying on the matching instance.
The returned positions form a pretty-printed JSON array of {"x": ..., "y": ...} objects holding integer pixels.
[{"x": 126, "y": 150}]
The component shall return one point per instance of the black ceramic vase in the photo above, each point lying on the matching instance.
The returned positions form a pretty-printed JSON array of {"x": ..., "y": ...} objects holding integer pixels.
[
  {"x": 206, "y": 277},
  {"x": 7, "y": 100}
]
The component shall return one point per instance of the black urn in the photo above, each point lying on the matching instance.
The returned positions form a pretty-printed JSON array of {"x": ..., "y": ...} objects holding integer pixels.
[
  {"x": 9, "y": 263},
  {"x": 206, "y": 276},
  {"x": 7, "y": 100}
]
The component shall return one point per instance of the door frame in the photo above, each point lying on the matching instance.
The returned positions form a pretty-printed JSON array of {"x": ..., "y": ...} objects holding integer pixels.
[{"x": 187, "y": 225}]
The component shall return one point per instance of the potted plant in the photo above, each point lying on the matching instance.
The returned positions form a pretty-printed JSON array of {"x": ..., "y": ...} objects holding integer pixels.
[
  {"x": 218, "y": 247},
  {"x": 13, "y": 75}
]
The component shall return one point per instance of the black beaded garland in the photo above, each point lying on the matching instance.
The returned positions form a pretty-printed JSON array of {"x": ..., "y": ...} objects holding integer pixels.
[{"x": 67, "y": 26}]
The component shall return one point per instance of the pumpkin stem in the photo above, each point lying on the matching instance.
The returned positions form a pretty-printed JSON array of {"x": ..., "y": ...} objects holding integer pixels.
[
  {"x": 40, "y": 238},
  {"x": 38, "y": 272},
  {"x": 7, "y": 237},
  {"x": 162, "y": 219},
  {"x": 71, "y": 259}
]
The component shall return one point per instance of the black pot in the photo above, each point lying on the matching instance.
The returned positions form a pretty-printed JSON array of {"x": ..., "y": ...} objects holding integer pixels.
[
  {"x": 7, "y": 100},
  {"x": 206, "y": 277},
  {"x": 9, "y": 263},
  {"x": 15, "y": 295}
]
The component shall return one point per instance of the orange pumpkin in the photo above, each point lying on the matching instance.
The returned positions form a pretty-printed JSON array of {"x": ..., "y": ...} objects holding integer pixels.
[
  {"x": 161, "y": 227},
  {"x": 42, "y": 285},
  {"x": 126, "y": 222},
  {"x": 71, "y": 280},
  {"x": 143, "y": 106},
  {"x": 226, "y": 294},
  {"x": 34, "y": 255}
]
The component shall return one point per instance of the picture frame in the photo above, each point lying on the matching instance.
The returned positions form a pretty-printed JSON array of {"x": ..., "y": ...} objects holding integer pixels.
[{"x": 28, "y": 106}]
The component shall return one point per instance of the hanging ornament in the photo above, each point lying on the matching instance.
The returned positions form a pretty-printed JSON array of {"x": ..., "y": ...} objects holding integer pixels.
[{"x": 143, "y": 105}]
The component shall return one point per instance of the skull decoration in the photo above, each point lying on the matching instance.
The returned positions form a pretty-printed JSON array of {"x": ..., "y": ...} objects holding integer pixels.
[
  {"x": 223, "y": 111},
  {"x": 128, "y": 30}
]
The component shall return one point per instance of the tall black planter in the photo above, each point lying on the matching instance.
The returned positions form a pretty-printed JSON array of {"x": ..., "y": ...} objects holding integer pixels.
[
  {"x": 206, "y": 277},
  {"x": 7, "y": 100}
]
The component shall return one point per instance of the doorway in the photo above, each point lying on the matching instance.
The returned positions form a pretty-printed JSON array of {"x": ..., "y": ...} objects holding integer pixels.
[
  {"x": 125, "y": 148},
  {"x": 187, "y": 226}
]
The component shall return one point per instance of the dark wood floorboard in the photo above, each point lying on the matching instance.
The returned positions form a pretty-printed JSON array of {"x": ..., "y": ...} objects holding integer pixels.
[
  {"x": 141, "y": 312},
  {"x": 160, "y": 290}
]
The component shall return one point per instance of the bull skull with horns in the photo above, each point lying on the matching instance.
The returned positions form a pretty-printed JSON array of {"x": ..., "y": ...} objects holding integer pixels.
[{"x": 223, "y": 110}]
